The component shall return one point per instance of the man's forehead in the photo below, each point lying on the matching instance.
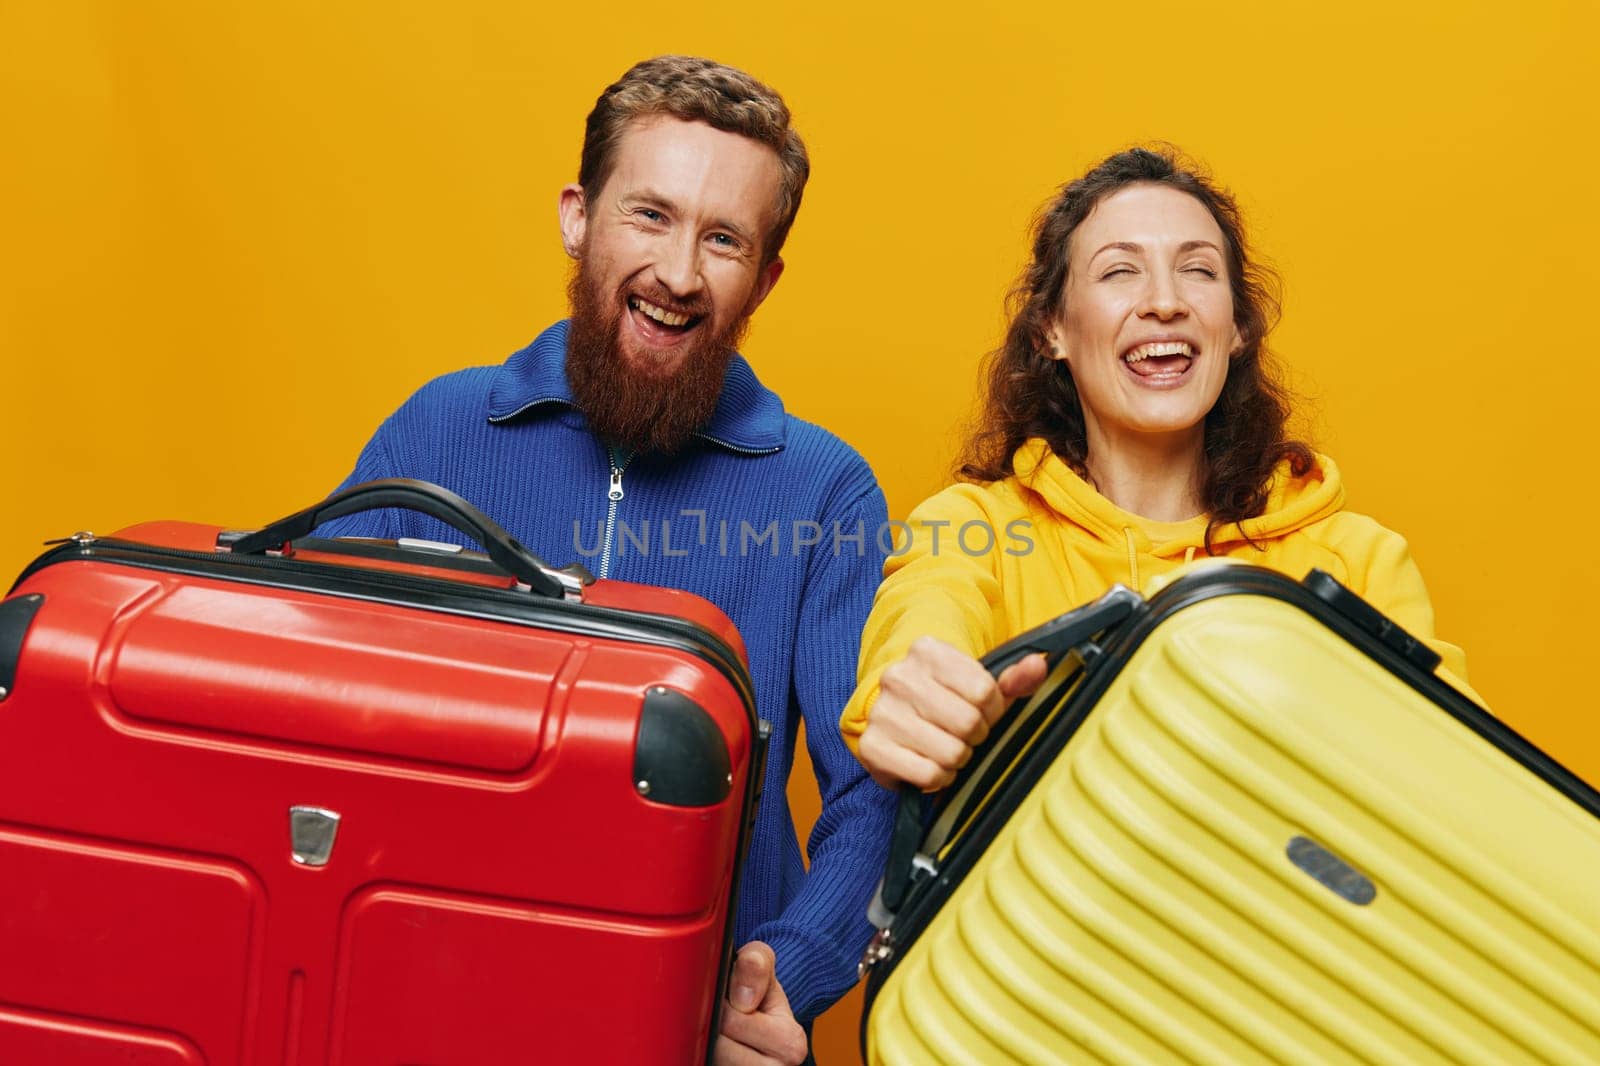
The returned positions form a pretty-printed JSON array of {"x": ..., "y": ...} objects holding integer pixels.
[{"x": 698, "y": 168}]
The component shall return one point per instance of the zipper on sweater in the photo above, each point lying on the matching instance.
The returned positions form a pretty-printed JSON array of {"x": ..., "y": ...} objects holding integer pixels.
[
  {"x": 619, "y": 462},
  {"x": 736, "y": 448}
]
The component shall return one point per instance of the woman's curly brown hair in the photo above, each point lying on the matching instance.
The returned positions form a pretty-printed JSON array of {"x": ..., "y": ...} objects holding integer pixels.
[{"x": 1030, "y": 394}]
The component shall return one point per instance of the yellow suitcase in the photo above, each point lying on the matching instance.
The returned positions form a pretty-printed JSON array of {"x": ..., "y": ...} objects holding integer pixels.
[{"x": 1243, "y": 823}]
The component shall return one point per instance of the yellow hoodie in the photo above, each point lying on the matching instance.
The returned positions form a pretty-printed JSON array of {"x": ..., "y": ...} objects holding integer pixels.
[{"x": 983, "y": 563}]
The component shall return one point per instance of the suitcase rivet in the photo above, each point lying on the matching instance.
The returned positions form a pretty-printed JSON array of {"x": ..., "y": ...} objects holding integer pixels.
[
  {"x": 643, "y": 787},
  {"x": 4, "y": 692}
]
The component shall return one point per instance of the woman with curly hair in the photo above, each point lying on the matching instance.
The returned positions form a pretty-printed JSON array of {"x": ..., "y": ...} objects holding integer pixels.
[{"x": 1132, "y": 424}]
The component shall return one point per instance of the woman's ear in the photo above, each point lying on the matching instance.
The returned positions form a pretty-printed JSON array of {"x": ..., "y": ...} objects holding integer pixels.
[
  {"x": 1057, "y": 346},
  {"x": 1238, "y": 342}
]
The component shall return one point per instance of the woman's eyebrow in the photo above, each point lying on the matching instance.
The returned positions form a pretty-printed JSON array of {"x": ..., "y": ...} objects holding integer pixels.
[
  {"x": 1120, "y": 246},
  {"x": 1138, "y": 249}
]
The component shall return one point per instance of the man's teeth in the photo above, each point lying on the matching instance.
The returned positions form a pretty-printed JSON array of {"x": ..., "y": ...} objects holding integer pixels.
[
  {"x": 1145, "y": 351},
  {"x": 660, "y": 314}
]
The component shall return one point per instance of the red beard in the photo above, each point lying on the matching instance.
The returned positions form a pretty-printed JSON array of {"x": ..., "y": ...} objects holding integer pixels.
[{"x": 642, "y": 411}]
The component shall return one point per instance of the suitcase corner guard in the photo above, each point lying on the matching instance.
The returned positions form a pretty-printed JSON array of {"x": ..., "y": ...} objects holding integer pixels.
[
  {"x": 680, "y": 757},
  {"x": 16, "y": 616}
]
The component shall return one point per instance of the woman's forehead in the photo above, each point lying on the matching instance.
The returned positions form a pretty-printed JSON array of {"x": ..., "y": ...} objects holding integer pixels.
[{"x": 1149, "y": 215}]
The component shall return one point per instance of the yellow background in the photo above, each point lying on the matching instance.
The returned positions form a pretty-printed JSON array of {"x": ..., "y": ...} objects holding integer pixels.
[{"x": 237, "y": 235}]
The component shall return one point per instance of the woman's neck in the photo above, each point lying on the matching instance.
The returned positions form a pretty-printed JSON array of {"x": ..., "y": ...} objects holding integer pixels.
[{"x": 1154, "y": 477}]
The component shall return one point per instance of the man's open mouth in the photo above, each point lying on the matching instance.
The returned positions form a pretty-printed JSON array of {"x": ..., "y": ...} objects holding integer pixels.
[{"x": 655, "y": 321}]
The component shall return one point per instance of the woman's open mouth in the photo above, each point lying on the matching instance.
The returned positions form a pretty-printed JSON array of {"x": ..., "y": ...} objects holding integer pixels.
[{"x": 1160, "y": 363}]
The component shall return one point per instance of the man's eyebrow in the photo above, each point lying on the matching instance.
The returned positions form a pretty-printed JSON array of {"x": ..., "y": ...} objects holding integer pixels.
[
  {"x": 735, "y": 229},
  {"x": 652, "y": 199},
  {"x": 647, "y": 198}
]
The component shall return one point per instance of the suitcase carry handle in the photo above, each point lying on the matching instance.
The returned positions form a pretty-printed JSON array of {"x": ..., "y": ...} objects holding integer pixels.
[
  {"x": 1327, "y": 588},
  {"x": 1054, "y": 639},
  {"x": 501, "y": 547}
]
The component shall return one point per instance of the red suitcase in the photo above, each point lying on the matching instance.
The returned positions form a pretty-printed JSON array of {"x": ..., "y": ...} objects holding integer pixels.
[{"x": 357, "y": 802}]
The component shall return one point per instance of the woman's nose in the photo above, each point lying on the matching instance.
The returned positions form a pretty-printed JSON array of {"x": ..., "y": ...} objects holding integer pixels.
[{"x": 1161, "y": 298}]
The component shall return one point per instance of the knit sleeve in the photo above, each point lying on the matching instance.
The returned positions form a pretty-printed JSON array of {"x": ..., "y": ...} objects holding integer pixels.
[
  {"x": 819, "y": 936},
  {"x": 931, "y": 587}
]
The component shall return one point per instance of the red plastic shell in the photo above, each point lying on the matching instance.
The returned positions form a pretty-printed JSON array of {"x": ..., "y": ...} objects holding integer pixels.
[{"x": 498, "y": 889}]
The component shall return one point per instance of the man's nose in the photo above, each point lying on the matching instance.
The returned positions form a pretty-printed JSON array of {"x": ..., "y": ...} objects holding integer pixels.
[{"x": 677, "y": 265}]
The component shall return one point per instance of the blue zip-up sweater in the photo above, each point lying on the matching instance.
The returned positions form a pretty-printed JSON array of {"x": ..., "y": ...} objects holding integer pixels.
[{"x": 774, "y": 520}]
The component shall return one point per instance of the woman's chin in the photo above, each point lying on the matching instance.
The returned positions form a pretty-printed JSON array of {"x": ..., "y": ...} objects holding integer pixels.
[
  {"x": 1168, "y": 426},
  {"x": 1163, "y": 412}
]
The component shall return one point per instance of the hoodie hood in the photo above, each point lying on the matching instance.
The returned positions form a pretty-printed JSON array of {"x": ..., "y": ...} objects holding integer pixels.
[{"x": 1292, "y": 503}]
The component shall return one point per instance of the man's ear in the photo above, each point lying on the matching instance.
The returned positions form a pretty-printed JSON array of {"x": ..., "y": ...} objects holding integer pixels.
[
  {"x": 769, "y": 277},
  {"x": 574, "y": 212}
]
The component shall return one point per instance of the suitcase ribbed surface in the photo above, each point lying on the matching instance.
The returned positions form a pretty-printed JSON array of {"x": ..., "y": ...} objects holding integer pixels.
[{"x": 1141, "y": 905}]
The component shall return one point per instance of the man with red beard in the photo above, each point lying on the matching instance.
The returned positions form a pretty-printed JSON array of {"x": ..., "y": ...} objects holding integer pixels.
[{"x": 635, "y": 435}]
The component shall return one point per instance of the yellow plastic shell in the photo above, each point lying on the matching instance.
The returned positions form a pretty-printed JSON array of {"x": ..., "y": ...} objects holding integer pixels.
[{"x": 1141, "y": 906}]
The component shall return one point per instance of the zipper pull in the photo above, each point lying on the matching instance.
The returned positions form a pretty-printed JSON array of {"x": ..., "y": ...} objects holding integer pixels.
[
  {"x": 82, "y": 539},
  {"x": 616, "y": 485}
]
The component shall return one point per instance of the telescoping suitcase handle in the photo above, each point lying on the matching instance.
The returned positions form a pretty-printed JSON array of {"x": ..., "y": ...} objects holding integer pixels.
[
  {"x": 1054, "y": 639},
  {"x": 504, "y": 550}
]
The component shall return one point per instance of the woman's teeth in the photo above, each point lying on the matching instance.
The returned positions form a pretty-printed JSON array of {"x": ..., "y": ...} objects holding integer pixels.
[
  {"x": 659, "y": 314},
  {"x": 1154, "y": 348}
]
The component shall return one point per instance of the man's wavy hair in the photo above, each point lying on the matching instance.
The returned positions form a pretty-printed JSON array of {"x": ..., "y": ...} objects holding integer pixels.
[
  {"x": 697, "y": 90},
  {"x": 1030, "y": 394}
]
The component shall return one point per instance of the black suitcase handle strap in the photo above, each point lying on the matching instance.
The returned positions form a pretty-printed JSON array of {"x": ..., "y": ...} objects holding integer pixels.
[
  {"x": 1055, "y": 639},
  {"x": 504, "y": 550}
]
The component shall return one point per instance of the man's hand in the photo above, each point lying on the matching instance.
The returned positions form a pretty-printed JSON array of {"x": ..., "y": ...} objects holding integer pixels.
[
  {"x": 933, "y": 707},
  {"x": 758, "y": 1028}
]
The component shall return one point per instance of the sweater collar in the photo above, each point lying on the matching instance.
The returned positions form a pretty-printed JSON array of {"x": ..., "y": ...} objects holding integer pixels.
[{"x": 749, "y": 416}]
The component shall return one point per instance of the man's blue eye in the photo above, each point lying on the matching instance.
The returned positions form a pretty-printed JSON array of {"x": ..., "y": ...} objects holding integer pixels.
[{"x": 650, "y": 214}]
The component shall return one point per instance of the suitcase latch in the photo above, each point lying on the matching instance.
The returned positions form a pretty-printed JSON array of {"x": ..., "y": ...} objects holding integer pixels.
[{"x": 311, "y": 834}]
